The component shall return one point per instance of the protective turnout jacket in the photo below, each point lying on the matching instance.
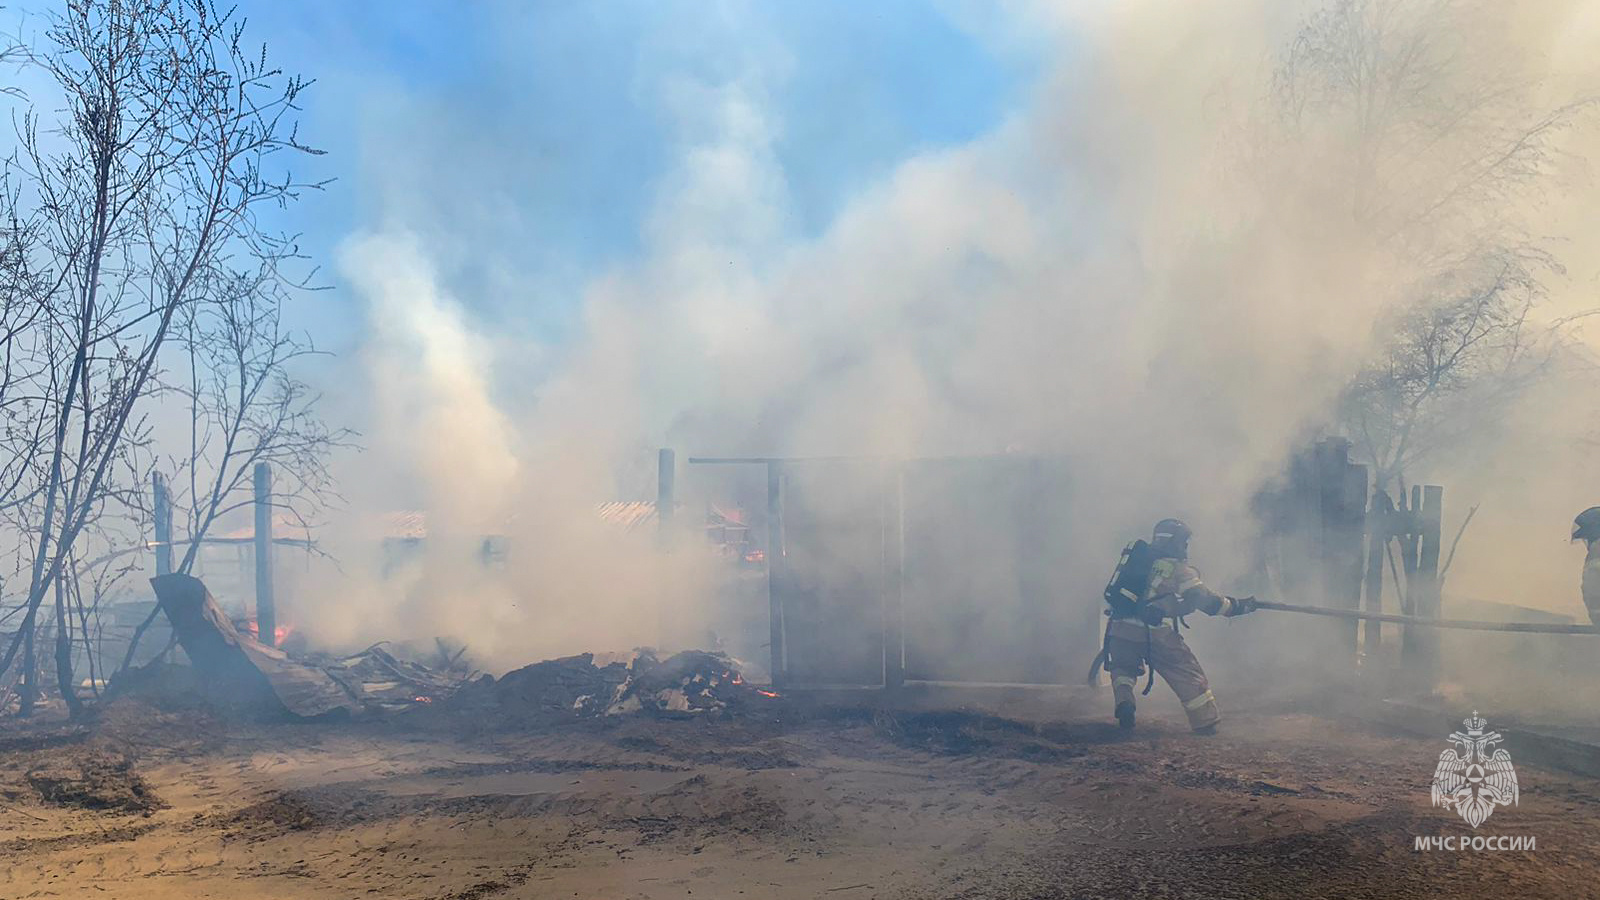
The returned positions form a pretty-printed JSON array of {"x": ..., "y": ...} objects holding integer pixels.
[{"x": 1176, "y": 589}]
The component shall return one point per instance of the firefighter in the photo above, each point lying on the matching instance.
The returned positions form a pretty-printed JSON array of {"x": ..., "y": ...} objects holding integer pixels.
[
  {"x": 1145, "y": 630},
  {"x": 1586, "y": 528}
]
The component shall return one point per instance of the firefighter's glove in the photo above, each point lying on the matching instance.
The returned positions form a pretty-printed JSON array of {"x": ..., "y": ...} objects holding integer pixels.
[
  {"x": 1238, "y": 606},
  {"x": 1151, "y": 614}
]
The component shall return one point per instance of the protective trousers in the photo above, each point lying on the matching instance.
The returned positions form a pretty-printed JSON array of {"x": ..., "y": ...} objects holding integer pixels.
[
  {"x": 1130, "y": 644},
  {"x": 1591, "y": 582}
]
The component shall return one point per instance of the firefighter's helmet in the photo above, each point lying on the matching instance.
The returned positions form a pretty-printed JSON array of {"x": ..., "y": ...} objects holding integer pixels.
[
  {"x": 1171, "y": 539},
  {"x": 1586, "y": 527}
]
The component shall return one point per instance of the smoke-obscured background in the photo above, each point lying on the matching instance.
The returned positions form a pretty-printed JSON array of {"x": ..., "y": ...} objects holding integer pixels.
[
  {"x": 1167, "y": 259},
  {"x": 1167, "y": 242}
]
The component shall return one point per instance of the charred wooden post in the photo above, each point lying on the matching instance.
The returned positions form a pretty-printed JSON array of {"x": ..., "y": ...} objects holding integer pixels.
[
  {"x": 266, "y": 606},
  {"x": 1379, "y": 515},
  {"x": 1348, "y": 552},
  {"x": 1431, "y": 538},
  {"x": 1408, "y": 548},
  {"x": 1406, "y": 534},
  {"x": 1420, "y": 551},
  {"x": 162, "y": 513},
  {"x": 1341, "y": 510},
  {"x": 777, "y": 581},
  {"x": 1427, "y": 599},
  {"x": 666, "y": 498}
]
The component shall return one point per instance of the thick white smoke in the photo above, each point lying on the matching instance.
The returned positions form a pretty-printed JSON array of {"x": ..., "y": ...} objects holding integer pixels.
[
  {"x": 435, "y": 404},
  {"x": 1144, "y": 271}
]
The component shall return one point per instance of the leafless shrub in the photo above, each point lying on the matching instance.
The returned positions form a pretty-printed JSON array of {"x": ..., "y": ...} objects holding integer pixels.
[
  {"x": 125, "y": 211},
  {"x": 1437, "y": 146}
]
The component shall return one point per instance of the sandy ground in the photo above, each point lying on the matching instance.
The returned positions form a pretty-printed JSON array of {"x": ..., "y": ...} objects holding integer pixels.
[{"x": 803, "y": 802}]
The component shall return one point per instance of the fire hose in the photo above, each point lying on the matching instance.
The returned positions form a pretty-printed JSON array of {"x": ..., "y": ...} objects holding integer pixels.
[
  {"x": 1332, "y": 612},
  {"x": 1462, "y": 624}
]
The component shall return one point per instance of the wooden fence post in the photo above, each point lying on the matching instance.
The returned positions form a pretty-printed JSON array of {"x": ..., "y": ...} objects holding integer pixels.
[
  {"x": 1427, "y": 600},
  {"x": 1342, "y": 499},
  {"x": 1350, "y": 554},
  {"x": 162, "y": 513},
  {"x": 666, "y": 513},
  {"x": 1379, "y": 517},
  {"x": 666, "y": 495},
  {"x": 777, "y": 581},
  {"x": 1406, "y": 540},
  {"x": 266, "y": 603}
]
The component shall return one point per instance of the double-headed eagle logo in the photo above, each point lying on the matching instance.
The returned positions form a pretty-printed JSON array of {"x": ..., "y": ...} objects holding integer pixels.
[{"x": 1473, "y": 777}]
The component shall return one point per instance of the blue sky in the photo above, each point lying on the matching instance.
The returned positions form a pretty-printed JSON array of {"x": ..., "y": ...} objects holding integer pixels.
[{"x": 544, "y": 122}]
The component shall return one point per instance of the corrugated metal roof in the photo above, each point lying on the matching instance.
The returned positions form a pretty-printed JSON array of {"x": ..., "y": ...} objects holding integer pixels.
[{"x": 630, "y": 514}]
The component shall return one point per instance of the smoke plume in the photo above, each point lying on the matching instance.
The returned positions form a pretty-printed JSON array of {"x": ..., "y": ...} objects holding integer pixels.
[{"x": 1152, "y": 269}]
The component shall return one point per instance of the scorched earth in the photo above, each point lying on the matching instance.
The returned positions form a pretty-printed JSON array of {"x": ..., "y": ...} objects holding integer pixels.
[{"x": 1033, "y": 798}]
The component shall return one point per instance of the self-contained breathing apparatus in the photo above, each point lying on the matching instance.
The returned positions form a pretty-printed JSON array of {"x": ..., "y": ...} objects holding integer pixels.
[{"x": 1125, "y": 599}]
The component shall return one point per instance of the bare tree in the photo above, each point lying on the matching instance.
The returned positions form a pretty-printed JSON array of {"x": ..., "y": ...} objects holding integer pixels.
[
  {"x": 1436, "y": 142},
  {"x": 141, "y": 193},
  {"x": 1454, "y": 360},
  {"x": 1432, "y": 131},
  {"x": 245, "y": 408},
  {"x": 22, "y": 430}
]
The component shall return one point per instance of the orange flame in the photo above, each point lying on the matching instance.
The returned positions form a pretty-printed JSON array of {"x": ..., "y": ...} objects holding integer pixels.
[{"x": 279, "y": 632}]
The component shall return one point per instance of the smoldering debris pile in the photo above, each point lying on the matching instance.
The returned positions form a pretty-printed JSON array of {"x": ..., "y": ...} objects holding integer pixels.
[
  {"x": 238, "y": 671},
  {"x": 234, "y": 667},
  {"x": 572, "y": 684},
  {"x": 382, "y": 680},
  {"x": 689, "y": 683}
]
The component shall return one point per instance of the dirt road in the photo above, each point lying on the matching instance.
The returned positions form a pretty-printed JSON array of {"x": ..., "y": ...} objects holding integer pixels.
[{"x": 800, "y": 804}]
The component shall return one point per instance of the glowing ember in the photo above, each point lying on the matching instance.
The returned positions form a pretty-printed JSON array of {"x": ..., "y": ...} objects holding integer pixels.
[
  {"x": 766, "y": 693},
  {"x": 423, "y": 699},
  {"x": 278, "y": 633}
]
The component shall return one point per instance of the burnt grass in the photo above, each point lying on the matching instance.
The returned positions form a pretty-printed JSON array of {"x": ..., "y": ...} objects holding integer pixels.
[
  {"x": 97, "y": 781},
  {"x": 43, "y": 740},
  {"x": 284, "y": 810},
  {"x": 751, "y": 759},
  {"x": 962, "y": 733},
  {"x": 747, "y": 740}
]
